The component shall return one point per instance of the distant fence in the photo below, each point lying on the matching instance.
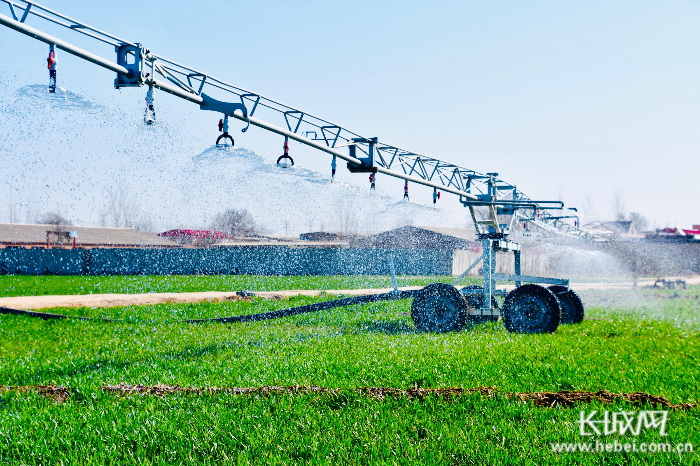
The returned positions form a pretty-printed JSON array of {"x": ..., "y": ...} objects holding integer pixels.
[
  {"x": 531, "y": 263},
  {"x": 237, "y": 261},
  {"x": 594, "y": 260}
]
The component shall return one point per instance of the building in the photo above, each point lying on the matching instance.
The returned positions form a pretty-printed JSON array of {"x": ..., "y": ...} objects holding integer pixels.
[
  {"x": 65, "y": 236},
  {"x": 675, "y": 235},
  {"x": 197, "y": 238},
  {"x": 326, "y": 236},
  {"x": 693, "y": 234},
  {"x": 280, "y": 241},
  {"x": 604, "y": 231}
]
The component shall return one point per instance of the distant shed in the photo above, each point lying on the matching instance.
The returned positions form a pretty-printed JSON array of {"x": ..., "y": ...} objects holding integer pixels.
[
  {"x": 329, "y": 237},
  {"x": 321, "y": 236},
  {"x": 197, "y": 238}
]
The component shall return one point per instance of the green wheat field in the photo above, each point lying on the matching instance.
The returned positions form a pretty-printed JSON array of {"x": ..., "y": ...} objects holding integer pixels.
[{"x": 631, "y": 341}]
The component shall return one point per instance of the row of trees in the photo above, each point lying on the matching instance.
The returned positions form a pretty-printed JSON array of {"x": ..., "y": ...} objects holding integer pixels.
[{"x": 123, "y": 211}]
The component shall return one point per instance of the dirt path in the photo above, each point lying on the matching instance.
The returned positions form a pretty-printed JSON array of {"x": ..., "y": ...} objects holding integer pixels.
[{"x": 110, "y": 300}]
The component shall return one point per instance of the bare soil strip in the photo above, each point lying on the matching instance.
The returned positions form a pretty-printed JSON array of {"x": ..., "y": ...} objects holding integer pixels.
[
  {"x": 563, "y": 398},
  {"x": 111, "y": 300},
  {"x": 56, "y": 392}
]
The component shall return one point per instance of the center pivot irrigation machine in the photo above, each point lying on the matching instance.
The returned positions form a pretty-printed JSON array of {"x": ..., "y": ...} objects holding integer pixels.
[{"x": 494, "y": 204}]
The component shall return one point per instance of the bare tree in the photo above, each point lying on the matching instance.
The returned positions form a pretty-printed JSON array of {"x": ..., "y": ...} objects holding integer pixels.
[
  {"x": 52, "y": 218},
  {"x": 588, "y": 209},
  {"x": 144, "y": 224},
  {"x": 235, "y": 222},
  {"x": 12, "y": 208},
  {"x": 30, "y": 209},
  {"x": 122, "y": 210},
  {"x": 639, "y": 221},
  {"x": 618, "y": 207},
  {"x": 346, "y": 219}
]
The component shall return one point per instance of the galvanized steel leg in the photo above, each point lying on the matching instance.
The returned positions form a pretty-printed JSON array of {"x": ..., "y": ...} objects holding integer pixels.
[
  {"x": 393, "y": 274},
  {"x": 517, "y": 267},
  {"x": 489, "y": 266},
  {"x": 464, "y": 274}
]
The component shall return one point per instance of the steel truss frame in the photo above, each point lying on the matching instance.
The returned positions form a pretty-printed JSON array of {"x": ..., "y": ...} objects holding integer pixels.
[
  {"x": 494, "y": 204},
  {"x": 473, "y": 188}
]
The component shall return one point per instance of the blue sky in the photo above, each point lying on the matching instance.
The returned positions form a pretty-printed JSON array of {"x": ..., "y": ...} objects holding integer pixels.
[{"x": 565, "y": 99}]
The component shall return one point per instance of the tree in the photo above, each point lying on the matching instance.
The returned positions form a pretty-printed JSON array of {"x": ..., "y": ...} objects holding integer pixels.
[
  {"x": 52, "y": 218},
  {"x": 639, "y": 221},
  {"x": 235, "y": 222},
  {"x": 12, "y": 208},
  {"x": 618, "y": 207},
  {"x": 122, "y": 210},
  {"x": 588, "y": 209},
  {"x": 345, "y": 218}
]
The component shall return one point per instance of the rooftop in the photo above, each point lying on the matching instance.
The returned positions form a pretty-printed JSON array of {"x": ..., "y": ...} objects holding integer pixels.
[{"x": 21, "y": 234}]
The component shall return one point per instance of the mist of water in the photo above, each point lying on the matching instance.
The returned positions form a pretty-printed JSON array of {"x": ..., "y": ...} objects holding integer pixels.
[{"x": 68, "y": 151}]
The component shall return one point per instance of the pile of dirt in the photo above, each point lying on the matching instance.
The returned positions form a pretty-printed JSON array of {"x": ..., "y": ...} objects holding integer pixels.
[
  {"x": 570, "y": 398},
  {"x": 421, "y": 393},
  {"x": 163, "y": 390},
  {"x": 55, "y": 392},
  {"x": 373, "y": 392},
  {"x": 564, "y": 398}
]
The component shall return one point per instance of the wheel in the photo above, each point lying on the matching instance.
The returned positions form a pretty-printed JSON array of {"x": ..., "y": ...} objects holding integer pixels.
[
  {"x": 439, "y": 308},
  {"x": 531, "y": 309},
  {"x": 476, "y": 302},
  {"x": 570, "y": 303}
]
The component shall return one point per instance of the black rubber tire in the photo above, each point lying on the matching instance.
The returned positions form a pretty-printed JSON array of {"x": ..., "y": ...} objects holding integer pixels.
[
  {"x": 531, "y": 309},
  {"x": 476, "y": 302},
  {"x": 571, "y": 305},
  {"x": 439, "y": 308},
  {"x": 282, "y": 157}
]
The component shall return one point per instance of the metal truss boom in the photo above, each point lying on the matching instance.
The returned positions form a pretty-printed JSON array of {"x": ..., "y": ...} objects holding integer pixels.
[{"x": 475, "y": 190}]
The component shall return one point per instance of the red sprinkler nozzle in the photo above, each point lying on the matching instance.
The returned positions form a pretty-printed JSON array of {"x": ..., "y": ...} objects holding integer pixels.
[{"x": 221, "y": 125}]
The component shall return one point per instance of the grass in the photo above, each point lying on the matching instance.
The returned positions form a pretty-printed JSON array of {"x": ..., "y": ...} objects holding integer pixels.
[
  {"x": 644, "y": 341},
  {"x": 297, "y": 430},
  {"x": 32, "y": 285}
]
